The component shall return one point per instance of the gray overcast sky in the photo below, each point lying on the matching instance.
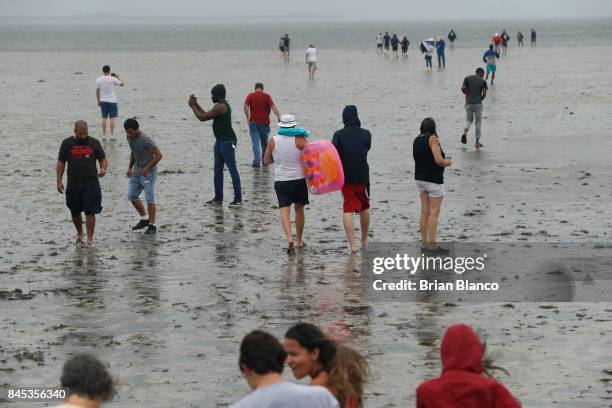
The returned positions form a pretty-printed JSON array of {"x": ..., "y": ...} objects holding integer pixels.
[{"x": 346, "y": 9}]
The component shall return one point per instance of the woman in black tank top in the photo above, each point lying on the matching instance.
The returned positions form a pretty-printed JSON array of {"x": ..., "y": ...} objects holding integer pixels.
[{"x": 430, "y": 161}]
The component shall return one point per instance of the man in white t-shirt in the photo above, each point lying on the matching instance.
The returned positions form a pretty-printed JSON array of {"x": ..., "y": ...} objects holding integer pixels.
[
  {"x": 262, "y": 359},
  {"x": 107, "y": 99},
  {"x": 311, "y": 60}
]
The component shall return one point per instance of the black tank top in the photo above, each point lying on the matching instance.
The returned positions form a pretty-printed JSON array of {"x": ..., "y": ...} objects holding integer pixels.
[{"x": 426, "y": 168}]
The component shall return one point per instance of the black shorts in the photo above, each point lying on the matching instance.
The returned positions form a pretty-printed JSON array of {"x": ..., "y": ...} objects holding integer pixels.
[
  {"x": 291, "y": 192},
  {"x": 87, "y": 199},
  {"x": 379, "y": 45}
]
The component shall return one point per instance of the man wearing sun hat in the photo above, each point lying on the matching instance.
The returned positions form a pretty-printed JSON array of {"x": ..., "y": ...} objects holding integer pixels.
[{"x": 285, "y": 151}]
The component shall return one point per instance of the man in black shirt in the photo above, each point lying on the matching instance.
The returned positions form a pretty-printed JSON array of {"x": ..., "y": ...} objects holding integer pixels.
[
  {"x": 353, "y": 144},
  {"x": 387, "y": 40},
  {"x": 286, "y": 43},
  {"x": 83, "y": 193}
]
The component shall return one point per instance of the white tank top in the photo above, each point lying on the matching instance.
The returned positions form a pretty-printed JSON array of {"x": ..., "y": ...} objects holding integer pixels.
[{"x": 287, "y": 159}]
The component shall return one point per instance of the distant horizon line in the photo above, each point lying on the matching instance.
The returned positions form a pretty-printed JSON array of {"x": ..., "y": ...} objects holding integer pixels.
[{"x": 295, "y": 17}]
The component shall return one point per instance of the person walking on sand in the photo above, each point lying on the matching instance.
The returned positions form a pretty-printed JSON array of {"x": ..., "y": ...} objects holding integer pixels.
[
  {"x": 261, "y": 362},
  {"x": 394, "y": 45},
  {"x": 83, "y": 193},
  {"x": 225, "y": 142},
  {"x": 281, "y": 47},
  {"x": 387, "y": 41},
  {"x": 465, "y": 381},
  {"x": 428, "y": 58},
  {"x": 519, "y": 38},
  {"x": 490, "y": 57},
  {"x": 87, "y": 381},
  {"x": 430, "y": 162},
  {"x": 505, "y": 39},
  {"x": 286, "y": 44},
  {"x": 379, "y": 43},
  {"x": 107, "y": 99},
  {"x": 440, "y": 46},
  {"x": 405, "y": 43},
  {"x": 257, "y": 108},
  {"x": 533, "y": 37},
  {"x": 285, "y": 151},
  {"x": 353, "y": 144},
  {"x": 451, "y": 38},
  {"x": 142, "y": 174},
  {"x": 475, "y": 89},
  {"x": 311, "y": 61}
]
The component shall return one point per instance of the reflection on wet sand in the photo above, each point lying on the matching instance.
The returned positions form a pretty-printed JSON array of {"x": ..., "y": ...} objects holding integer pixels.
[{"x": 143, "y": 275}]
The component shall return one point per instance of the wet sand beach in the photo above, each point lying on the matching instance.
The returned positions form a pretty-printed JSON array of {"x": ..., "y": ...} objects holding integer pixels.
[{"x": 167, "y": 312}]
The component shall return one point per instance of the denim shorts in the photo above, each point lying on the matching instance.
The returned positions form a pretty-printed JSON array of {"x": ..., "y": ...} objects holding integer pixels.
[
  {"x": 109, "y": 109},
  {"x": 139, "y": 183}
]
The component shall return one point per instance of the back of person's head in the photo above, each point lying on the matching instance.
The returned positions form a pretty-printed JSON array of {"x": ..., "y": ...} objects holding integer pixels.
[
  {"x": 311, "y": 338},
  {"x": 262, "y": 353},
  {"x": 490, "y": 46},
  {"x": 218, "y": 91},
  {"x": 259, "y": 85},
  {"x": 348, "y": 375},
  {"x": 350, "y": 116},
  {"x": 311, "y": 46},
  {"x": 131, "y": 123},
  {"x": 480, "y": 71},
  {"x": 86, "y": 376},
  {"x": 106, "y": 69},
  {"x": 428, "y": 127}
]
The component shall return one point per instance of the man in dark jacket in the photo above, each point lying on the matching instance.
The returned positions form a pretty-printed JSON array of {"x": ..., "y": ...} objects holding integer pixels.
[{"x": 353, "y": 144}]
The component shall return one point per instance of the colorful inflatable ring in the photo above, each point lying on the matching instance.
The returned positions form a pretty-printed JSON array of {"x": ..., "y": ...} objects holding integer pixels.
[{"x": 322, "y": 167}]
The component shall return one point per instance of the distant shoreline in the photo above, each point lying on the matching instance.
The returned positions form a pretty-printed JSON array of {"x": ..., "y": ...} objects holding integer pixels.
[{"x": 280, "y": 20}]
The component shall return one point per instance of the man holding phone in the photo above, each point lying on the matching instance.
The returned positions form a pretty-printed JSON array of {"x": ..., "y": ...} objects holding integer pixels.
[
  {"x": 225, "y": 142},
  {"x": 83, "y": 194},
  {"x": 107, "y": 99}
]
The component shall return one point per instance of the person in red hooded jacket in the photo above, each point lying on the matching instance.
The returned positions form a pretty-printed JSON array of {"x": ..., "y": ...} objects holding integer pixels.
[{"x": 462, "y": 383}]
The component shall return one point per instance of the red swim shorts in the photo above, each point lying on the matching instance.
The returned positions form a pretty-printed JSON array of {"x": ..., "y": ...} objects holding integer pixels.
[{"x": 356, "y": 197}]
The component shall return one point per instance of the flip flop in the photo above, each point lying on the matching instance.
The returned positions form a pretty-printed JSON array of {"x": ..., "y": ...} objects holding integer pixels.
[
  {"x": 80, "y": 243},
  {"x": 89, "y": 244}
]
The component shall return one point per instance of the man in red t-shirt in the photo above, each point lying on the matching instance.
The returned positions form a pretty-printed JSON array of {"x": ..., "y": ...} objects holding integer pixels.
[{"x": 257, "y": 107}]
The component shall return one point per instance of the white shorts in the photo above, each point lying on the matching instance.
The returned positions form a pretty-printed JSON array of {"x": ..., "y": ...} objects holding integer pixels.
[{"x": 432, "y": 189}]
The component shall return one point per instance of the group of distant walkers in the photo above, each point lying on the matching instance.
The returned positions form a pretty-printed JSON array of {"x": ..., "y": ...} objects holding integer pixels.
[{"x": 311, "y": 55}]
